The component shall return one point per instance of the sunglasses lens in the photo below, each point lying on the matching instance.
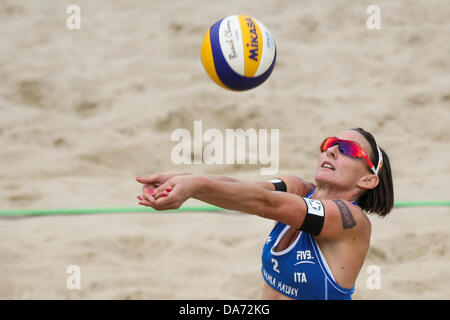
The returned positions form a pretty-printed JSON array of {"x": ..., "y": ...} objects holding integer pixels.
[
  {"x": 345, "y": 147},
  {"x": 328, "y": 143},
  {"x": 349, "y": 149}
]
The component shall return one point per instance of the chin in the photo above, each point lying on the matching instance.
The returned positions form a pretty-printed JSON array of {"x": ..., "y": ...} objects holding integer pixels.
[{"x": 326, "y": 178}]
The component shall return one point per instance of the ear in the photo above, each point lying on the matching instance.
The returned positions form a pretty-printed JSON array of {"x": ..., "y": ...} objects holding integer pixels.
[{"x": 369, "y": 181}]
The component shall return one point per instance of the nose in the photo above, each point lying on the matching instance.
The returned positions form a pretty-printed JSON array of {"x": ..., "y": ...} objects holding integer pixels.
[{"x": 333, "y": 151}]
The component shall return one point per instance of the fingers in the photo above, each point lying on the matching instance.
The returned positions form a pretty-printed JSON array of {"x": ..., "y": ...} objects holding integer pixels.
[
  {"x": 148, "y": 195},
  {"x": 151, "y": 183},
  {"x": 147, "y": 187},
  {"x": 159, "y": 178},
  {"x": 151, "y": 179},
  {"x": 157, "y": 190},
  {"x": 163, "y": 203},
  {"x": 157, "y": 198},
  {"x": 145, "y": 203},
  {"x": 161, "y": 192}
]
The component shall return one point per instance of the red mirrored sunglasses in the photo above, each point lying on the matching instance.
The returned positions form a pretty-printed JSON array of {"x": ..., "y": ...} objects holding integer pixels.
[{"x": 351, "y": 149}]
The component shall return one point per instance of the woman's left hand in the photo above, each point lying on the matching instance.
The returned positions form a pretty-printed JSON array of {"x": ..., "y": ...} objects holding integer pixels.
[{"x": 171, "y": 194}]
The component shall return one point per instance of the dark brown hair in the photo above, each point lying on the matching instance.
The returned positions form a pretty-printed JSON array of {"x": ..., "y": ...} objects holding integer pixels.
[{"x": 380, "y": 199}]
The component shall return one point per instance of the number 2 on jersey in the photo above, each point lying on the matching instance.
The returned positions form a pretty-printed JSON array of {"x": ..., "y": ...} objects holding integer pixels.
[{"x": 275, "y": 265}]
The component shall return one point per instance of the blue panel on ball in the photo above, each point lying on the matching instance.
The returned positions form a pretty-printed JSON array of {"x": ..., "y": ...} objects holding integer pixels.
[{"x": 227, "y": 75}]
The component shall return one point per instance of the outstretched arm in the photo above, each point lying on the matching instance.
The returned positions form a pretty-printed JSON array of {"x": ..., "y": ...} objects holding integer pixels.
[
  {"x": 293, "y": 184},
  {"x": 232, "y": 195},
  {"x": 239, "y": 196}
]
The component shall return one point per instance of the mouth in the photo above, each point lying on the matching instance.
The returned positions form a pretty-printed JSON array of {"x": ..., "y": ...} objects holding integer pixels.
[{"x": 327, "y": 165}]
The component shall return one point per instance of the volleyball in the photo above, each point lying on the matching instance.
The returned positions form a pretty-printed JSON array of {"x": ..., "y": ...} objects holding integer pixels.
[{"x": 238, "y": 52}]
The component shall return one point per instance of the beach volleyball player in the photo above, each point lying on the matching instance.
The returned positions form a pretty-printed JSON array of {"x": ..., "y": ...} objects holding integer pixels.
[{"x": 322, "y": 234}]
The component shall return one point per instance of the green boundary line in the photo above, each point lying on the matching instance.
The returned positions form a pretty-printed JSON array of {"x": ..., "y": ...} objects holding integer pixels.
[
  {"x": 50, "y": 212},
  {"x": 421, "y": 204},
  {"x": 41, "y": 212}
]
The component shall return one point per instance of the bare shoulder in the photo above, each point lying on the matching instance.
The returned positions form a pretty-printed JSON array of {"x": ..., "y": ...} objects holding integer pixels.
[{"x": 297, "y": 185}]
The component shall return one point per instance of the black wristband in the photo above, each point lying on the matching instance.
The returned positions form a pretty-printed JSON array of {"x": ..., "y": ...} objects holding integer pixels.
[{"x": 279, "y": 185}]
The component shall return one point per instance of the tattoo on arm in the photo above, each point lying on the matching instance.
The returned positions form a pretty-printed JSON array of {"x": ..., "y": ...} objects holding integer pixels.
[{"x": 346, "y": 215}]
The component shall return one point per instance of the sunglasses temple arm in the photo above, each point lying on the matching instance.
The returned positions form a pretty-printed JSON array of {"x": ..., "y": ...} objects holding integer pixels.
[{"x": 380, "y": 161}]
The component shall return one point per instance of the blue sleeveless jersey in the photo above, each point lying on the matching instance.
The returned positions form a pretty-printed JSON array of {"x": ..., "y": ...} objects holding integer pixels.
[{"x": 299, "y": 271}]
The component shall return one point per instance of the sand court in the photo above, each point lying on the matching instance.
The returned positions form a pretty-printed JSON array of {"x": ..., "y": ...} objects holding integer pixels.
[{"x": 85, "y": 111}]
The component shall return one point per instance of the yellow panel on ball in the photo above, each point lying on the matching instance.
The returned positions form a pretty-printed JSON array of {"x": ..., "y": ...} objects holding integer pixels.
[
  {"x": 208, "y": 61},
  {"x": 252, "y": 42}
]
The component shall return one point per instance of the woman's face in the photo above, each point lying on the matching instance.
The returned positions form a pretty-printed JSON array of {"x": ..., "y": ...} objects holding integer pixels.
[{"x": 345, "y": 172}]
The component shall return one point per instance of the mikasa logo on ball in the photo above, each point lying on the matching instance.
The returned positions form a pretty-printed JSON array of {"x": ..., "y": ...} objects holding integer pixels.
[{"x": 254, "y": 40}]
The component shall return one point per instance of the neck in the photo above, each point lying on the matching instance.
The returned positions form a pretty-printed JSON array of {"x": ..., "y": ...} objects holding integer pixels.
[{"x": 329, "y": 192}]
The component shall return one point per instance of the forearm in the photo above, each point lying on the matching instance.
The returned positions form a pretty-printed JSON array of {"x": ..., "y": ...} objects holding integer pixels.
[
  {"x": 248, "y": 198},
  {"x": 294, "y": 184},
  {"x": 223, "y": 178},
  {"x": 261, "y": 184},
  {"x": 238, "y": 196}
]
